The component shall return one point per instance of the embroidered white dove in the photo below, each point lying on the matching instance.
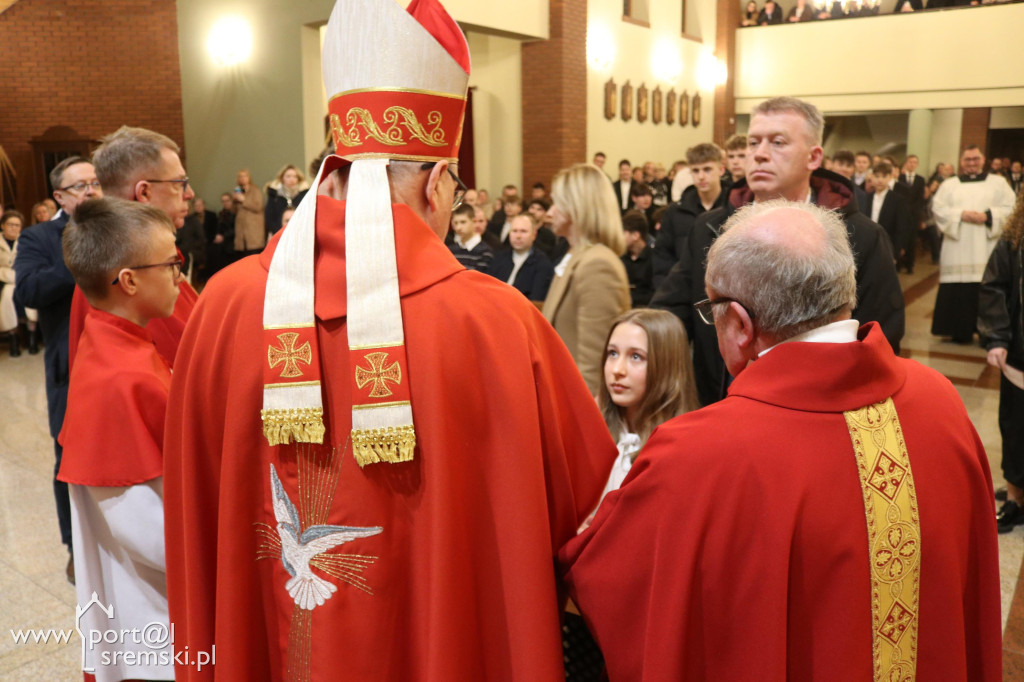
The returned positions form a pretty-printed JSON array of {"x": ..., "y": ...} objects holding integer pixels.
[{"x": 299, "y": 546}]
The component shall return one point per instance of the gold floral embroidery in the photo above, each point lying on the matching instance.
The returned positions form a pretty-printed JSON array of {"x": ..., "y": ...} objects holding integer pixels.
[
  {"x": 894, "y": 538},
  {"x": 401, "y": 127}
]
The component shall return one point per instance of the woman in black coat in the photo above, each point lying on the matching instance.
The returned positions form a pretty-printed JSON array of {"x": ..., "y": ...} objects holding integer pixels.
[{"x": 283, "y": 192}]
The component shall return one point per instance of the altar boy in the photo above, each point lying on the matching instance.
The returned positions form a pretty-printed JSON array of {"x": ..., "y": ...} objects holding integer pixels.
[{"x": 123, "y": 258}]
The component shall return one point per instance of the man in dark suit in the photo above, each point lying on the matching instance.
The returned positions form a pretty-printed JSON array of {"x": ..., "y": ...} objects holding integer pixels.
[
  {"x": 914, "y": 184},
  {"x": 623, "y": 185},
  {"x": 1016, "y": 177},
  {"x": 861, "y": 168},
  {"x": 843, "y": 162},
  {"x": 890, "y": 208},
  {"x": 44, "y": 283},
  {"x": 522, "y": 266}
]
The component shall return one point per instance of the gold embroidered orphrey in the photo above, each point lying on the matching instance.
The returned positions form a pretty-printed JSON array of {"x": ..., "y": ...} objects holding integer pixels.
[
  {"x": 894, "y": 538},
  {"x": 379, "y": 375},
  {"x": 289, "y": 355},
  {"x": 395, "y": 118}
]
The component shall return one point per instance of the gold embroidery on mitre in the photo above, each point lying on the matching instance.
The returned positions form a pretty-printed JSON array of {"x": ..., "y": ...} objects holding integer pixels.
[
  {"x": 894, "y": 538},
  {"x": 289, "y": 355},
  {"x": 402, "y": 127},
  {"x": 379, "y": 375}
]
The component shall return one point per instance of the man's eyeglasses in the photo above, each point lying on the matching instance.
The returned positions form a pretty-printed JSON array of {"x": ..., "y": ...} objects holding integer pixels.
[
  {"x": 174, "y": 265},
  {"x": 461, "y": 189},
  {"x": 181, "y": 182},
  {"x": 707, "y": 315},
  {"x": 80, "y": 187}
]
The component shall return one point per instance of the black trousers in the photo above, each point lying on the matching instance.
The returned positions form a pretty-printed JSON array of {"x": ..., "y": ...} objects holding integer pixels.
[
  {"x": 61, "y": 496},
  {"x": 1011, "y": 426}
]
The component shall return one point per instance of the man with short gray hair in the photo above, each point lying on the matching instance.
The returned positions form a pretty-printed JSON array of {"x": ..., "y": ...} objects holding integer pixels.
[
  {"x": 842, "y": 533},
  {"x": 784, "y": 157}
]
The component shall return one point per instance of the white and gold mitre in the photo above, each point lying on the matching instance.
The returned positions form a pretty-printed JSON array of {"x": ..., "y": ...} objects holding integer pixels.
[
  {"x": 397, "y": 83},
  {"x": 396, "y": 80}
]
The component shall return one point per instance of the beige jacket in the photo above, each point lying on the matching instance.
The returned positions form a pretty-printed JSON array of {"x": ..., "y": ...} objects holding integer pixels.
[
  {"x": 583, "y": 301},
  {"x": 250, "y": 230}
]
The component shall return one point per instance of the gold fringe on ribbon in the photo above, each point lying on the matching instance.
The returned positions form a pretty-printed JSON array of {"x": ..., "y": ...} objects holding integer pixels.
[
  {"x": 392, "y": 444},
  {"x": 299, "y": 424}
]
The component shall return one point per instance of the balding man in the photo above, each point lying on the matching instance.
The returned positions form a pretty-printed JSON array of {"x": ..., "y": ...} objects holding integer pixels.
[
  {"x": 524, "y": 267},
  {"x": 843, "y": 533},
  {"x": 141, "y": 165}
]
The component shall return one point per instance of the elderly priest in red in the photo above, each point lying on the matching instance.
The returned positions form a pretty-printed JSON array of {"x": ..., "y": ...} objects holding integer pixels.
[
  {"x": 844, "y": 533},
  {"x": 373, "y": 455}
]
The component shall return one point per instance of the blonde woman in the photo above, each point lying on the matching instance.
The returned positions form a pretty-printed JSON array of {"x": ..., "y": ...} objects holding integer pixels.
[
  {"x": 590, "y": 288},
  {"x": 284, "y": 193}
]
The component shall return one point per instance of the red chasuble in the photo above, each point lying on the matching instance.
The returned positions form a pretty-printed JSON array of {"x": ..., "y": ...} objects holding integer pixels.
[
  {"x": 744, "y": 554},
  {"x": 117, "y": 400},
  {"x": 441, "y": 568},
  {"x": 166, "y": 331}
]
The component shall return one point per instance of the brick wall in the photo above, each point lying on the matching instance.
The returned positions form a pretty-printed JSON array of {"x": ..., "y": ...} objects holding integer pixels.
[
  {"x": 555, "y": 95},
  {"x": 974, "y": 129},
  {"x": 91, "y": 65}
]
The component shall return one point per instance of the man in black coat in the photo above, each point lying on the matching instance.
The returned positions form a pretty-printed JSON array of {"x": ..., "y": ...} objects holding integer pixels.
[
  {"x": 889, "y": 206},
  {"x": 783, "y": 162},
  {"x": 45, "y": 283},
  {"x": 706, "y": 193},
  {"x": 522, "y": 266}
]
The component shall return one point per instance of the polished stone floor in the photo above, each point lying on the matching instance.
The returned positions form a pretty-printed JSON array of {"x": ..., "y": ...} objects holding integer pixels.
[{"x": 35, "y": 594}]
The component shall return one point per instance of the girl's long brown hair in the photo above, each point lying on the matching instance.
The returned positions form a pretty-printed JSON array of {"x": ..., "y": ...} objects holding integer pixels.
[
  {"x": 670, "y": 388},
  {"x": 1013, "y": 230}
]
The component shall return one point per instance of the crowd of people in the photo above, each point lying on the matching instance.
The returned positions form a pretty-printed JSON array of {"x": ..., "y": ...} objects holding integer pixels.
[
  {"x": 772, "y": 13},
  {"x": 368, "y": 376}
]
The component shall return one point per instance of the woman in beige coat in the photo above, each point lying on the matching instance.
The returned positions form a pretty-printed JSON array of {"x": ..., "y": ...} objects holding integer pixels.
[
  {"x": 250, "y": 229},
  {"x": 590, "y": 288}
]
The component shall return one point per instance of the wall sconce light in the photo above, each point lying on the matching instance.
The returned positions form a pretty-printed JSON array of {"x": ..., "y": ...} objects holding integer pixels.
[
  {"x": 666, "y": 64},
  {"x": 600, "y": 47},
  {"x": 230, "y": 41},
  {"x": 711, "y": 72}
]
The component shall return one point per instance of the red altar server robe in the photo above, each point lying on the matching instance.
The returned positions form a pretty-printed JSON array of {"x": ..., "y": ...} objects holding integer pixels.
[
  {"x": 459, "y": 581},
  {"x": 166, "y": 331},
  {"x": 742, "y": 553},
  {"x": 117, "y": 401}
]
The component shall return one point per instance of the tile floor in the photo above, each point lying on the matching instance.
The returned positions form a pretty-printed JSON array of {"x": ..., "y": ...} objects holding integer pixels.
[{"x": 35, "y": 594}]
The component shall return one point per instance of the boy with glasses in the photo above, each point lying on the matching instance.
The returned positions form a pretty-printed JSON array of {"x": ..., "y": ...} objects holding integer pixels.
[{"x": 123, "y": 258}]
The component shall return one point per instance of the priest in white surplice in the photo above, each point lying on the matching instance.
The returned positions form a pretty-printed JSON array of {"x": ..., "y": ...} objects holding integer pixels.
[{"x": 970, "y": 209}]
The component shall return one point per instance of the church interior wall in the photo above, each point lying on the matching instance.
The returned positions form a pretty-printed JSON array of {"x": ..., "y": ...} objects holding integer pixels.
[
  {"x": 656, "y": 57},
  {"x": 1006, "y": 117},
  {"x": 249, "y": 115},
  {"x": 497, "y": 84},
  {"x": 265, "y": 112}
]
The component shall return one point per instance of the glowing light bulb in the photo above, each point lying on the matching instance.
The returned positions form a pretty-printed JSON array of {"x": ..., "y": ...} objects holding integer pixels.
[
  {"x": 230, "y": 41},
  {"x": 600, "y": 47},
  {"x": 666, "y": 64}
]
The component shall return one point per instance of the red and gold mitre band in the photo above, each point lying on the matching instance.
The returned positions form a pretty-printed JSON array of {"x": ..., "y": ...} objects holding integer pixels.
[{"x": 397, "y": 123}]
